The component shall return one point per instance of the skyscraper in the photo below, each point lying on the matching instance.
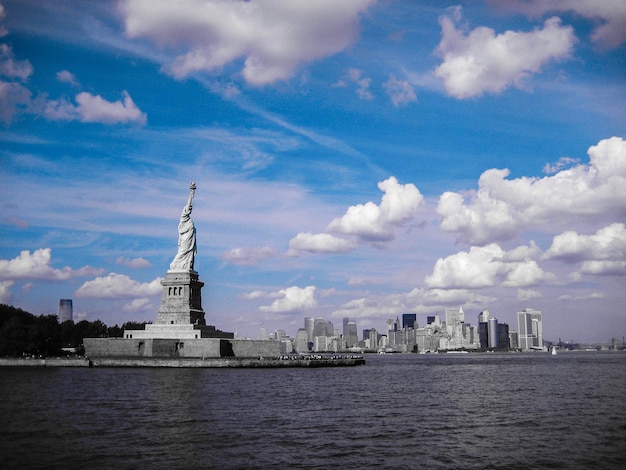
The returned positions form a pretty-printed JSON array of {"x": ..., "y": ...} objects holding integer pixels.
[
  {"x": 484, "y": 316},
  {"x": 66, "y": 310},
  {"x": 492, "y": 330},
  {"x": 454, "y": 318},
  {"x": 408, "y": 320},
  {"x": 483, "y": 334},
  {"x": 350, "y": 334},
  {"x": 309, "y": 326},
  {"x": 504, "y": 341},
  {"x": 530, "y": 329},
  {"x": 301, "y": 344},
  {"x": 319, "y": 328}
]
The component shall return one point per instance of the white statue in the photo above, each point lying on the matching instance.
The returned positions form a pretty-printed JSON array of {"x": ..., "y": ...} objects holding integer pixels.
[{"x": 186, "y": 238}]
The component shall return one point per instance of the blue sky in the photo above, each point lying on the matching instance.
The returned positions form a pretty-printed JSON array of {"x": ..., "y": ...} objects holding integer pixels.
[{"x": 353, "y": 158}]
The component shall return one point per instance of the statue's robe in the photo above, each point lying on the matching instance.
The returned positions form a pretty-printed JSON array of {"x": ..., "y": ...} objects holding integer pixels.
[{"x": 186, "y": 243}]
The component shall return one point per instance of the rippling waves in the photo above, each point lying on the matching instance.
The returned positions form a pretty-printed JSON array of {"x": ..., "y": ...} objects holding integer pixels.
[{"x": 399, "y": 411}]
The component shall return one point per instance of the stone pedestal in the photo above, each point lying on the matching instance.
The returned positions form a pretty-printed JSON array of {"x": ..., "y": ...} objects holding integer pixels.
[{"x": 181, "y": 299}]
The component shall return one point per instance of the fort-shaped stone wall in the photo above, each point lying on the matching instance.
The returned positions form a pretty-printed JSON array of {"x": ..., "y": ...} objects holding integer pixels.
[{"x": 179, "y": 348}]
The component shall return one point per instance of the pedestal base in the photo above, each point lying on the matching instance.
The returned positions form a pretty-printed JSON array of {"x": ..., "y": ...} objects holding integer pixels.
[{"x": 181, "y": 299}]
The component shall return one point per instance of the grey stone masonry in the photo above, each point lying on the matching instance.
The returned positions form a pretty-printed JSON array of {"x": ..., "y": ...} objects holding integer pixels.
[{"x": 181, "y": 299}]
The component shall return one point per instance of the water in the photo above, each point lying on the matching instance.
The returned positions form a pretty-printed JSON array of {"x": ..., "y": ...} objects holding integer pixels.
[{"x": 398, "y": 411}]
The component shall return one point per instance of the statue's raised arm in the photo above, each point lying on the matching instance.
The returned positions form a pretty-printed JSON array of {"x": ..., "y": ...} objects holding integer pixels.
[
  {"x": 192, "y": 191},
  {"x": 184, "y": 259}
]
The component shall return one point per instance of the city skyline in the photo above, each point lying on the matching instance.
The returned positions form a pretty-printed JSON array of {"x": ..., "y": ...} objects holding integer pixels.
[
  {"x": 452, "y": 333},
  {"x": 358, "y": 159}
]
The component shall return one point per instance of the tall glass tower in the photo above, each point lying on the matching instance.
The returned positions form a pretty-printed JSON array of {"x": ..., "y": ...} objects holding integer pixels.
[
  {"x": 66, "y": 310},
  {"x": 350, "y": 334},
  {"x": 530, "y": 329}
]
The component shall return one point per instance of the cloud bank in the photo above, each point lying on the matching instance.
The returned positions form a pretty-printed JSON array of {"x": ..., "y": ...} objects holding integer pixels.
[
  {"x": 501, "y": 208},
  {"x": 116, "y": 286},
  {"x": 487, "y": 266},
  {"x": 92, "y": 108},
  {"x": 272, "y": 38},
  {"x": 36, "y": 265},
  {"x": 484, "y": 61},
  {"x": 364, "y": 223},
  {"x": 601, "y": 253},
  {"x": 292, "y": 299},
  {"x": 609, "y": 16}
]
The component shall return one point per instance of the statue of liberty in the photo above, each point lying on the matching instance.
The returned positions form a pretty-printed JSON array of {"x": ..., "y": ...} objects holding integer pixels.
[{"x": 186, "y": 237}]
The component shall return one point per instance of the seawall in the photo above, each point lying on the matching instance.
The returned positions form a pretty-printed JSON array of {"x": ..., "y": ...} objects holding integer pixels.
[
  {"x": 45, "y": 362},
  {"x": 286, "y": 361}
]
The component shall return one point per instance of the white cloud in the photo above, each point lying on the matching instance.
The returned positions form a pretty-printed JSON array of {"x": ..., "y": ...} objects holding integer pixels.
[
  {"x": 592, "y": 296},
  {"x": 608, "y": 244},
  {"x": 361, "y": 281},
  {"x": 5, "y": 291},
  {"x": 610, "y": 15},
  {"x": 117, "y": 286},
  {"x": 371, "y": 307},
  {"x": 485, "y": 62},
  {"x": 248, "y": 256},
  {"x": 363, "y": 84},
  {"x": 257, "y": 294},
  {"x": 486, "y": 266},
  {"x": 523, "y": 252},
  {"x": 603, "y": 253},
  {"x": 523, "y": 274},
  {"x": 564, "y": 162},
  {"x": 319, "y": 243},
  {"x": 604, "y": 267},
  {"x": 133, "y": 262},
  {"x": 37, "y": 266},
  {"x": 13, "y": 96},
  {"x": 400, "y": 92},
  {"x": 438, "y": 297},
  {"x": 524, "y": 295},
  {"x": 141, "y": 304},
  {"x": 292, "y": 299},
  {"x": 273, "y": 38},
  {"x": 65, "y": 76},
  {"x": 370, "y": 222},
  {"x": 3, "y": 31},
  {"x": 92, "y": 108},
  {"x": 501, "y": 208},
  {"x": 474, "y": 269},
  {"x": 11, "y": 68}
]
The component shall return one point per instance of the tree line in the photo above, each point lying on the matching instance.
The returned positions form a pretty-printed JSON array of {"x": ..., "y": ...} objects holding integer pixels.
[{"x": 25, "y": 334}]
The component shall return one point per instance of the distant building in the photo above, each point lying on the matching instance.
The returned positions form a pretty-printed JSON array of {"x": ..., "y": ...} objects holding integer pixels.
[
  {"x": 492, "y": 331},
  {"x": 350, "y": 333},
  {"x": 409, "y": 320},
  {"x": 370, "y": 338},
  {"x": 301, "y": 344},
  {"x": 455, "y": 317},
  {"x": 530, "y": 329},
  {"x": 484, "y": 316},
  {"x": 483, "y": 334},
  {"x": 319, "y": 328},
  {"x": 309, "y": 326},
  {"x": 504, "y": 341},
  {"x": 458, "y": 334},
  {"x": 66, "y": 310}
]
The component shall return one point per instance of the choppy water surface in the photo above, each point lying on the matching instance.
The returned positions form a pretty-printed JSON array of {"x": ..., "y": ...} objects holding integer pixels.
[{"x": 398, "y": 411}]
